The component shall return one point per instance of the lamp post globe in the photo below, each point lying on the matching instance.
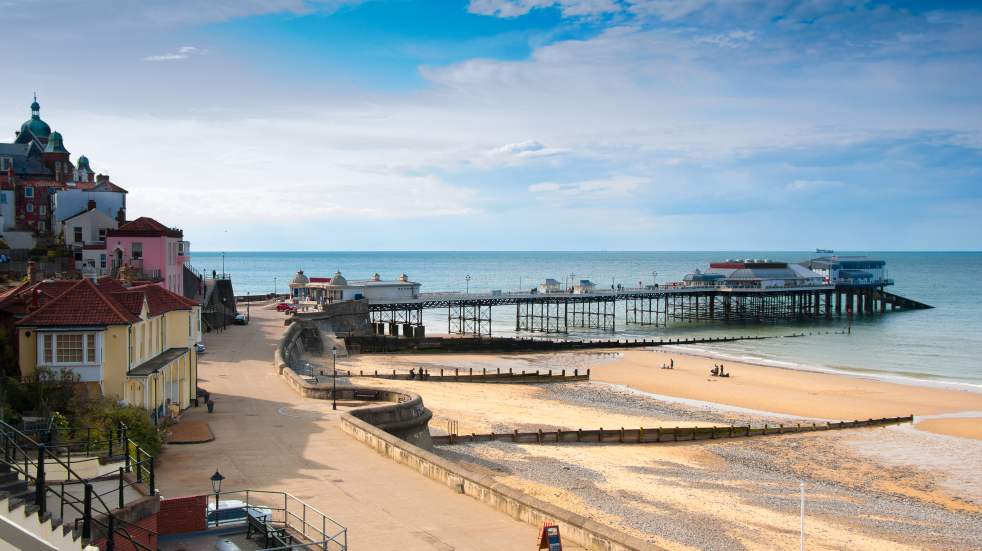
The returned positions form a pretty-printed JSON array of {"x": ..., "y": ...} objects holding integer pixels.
[{"x": 216, "y": 486}]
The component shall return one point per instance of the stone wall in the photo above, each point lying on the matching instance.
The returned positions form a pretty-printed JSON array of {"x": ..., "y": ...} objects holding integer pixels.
[
  {"x": 516, "y": 504},
  {"x": 349, "y": 317}
]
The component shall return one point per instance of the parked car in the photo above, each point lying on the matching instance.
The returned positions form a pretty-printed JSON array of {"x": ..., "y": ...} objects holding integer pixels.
[
  {"x": 199, "y": 348},
  {"x": 285, "y": 307},
  {"x": 240, "y": 319}
]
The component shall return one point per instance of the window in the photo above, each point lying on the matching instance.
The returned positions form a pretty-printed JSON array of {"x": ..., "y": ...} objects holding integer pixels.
[
  {"x": 78, "y": 255},
  {"x": 42, "y": 226},
  {"x": 90, "y": 348},
  {"x": 137, "y": 250},
  {"x": 69, "y": 349},
  {"x": 42, "y": 210},
  {"x": 5, "y": 164},
  {"x": 78, "y": 234},
  {"x": 102, "y": 261},
  {"x": 49, "y": 348},
  {"x": 3, "y": 198},
  {"x": 102, "y": 234},
  {"x": 29, "y": 207},
  {"x": 28, "y": 192}
]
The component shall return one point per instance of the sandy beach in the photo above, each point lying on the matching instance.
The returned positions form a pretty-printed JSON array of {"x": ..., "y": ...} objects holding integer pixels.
[
  {"x": 761, "y": 388},
  {"x": 867, "y": 488}
]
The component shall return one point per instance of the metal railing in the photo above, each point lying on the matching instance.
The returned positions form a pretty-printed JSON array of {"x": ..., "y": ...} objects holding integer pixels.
[
  {"x": 33, "y": 460},
  {"x": 284, "y": 511}
]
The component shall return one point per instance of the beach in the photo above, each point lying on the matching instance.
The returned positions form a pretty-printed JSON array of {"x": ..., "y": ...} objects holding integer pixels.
[{"x": 866, "y": 488}]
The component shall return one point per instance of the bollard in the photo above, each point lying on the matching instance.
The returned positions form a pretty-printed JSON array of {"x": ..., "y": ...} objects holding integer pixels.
[
  {"x": 514, "y": 437},
  {"x": 600, "y": 435},
  {"x": 640, "y": 434},
  {"x": 587, "y": 373},
  {"x": 658, "y": 434},
  {"x": 622, "y": 435},
  {"x": 579, "y": 435},
  {"x": 713, "y": 435},
  {"x": 538, "y": 436},
  {"x": 576, "y": 372}
]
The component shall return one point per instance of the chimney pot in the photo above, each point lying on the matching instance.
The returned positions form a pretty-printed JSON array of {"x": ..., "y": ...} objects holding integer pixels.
[{"x": 91, "y": 204}]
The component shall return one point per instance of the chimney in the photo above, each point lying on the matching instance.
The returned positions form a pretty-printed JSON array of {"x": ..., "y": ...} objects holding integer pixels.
[
  {"x": 91, "y": 204},
  {"x": 102, "y": 178},
  {"x": 32, "y": 273}
]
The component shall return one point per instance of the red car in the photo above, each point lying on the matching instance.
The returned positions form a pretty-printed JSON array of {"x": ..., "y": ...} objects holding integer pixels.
[{"x": 285, "y": 307}]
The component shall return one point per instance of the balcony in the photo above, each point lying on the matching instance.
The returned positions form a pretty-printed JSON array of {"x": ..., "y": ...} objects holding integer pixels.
[{"x": 136, "y": 271}]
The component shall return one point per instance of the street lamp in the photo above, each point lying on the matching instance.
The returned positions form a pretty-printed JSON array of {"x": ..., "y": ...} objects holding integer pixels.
[
  {"x": 334, "y": 378},
  {"x": 467, "y": 278},
  {"x": 224, "y": 314},
  {"x": 274, "y": 286},
  {"x": 216, "y": 486},
  {"x": 654, "y": 276},
  {"x": 223, "y": 265}
]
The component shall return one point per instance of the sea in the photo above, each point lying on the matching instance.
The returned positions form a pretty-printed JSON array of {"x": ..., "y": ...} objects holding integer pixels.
[{"x": 937, "y": 347}]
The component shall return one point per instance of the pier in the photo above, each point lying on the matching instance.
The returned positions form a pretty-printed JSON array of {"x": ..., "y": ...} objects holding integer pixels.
[{"x": 557, "y": 313}]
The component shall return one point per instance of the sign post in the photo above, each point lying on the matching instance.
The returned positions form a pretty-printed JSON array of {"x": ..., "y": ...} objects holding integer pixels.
[{"x": 549, "y": 538}]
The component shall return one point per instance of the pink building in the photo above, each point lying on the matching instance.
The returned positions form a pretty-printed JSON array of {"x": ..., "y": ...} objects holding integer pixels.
[{"x": 150, "y": 251}]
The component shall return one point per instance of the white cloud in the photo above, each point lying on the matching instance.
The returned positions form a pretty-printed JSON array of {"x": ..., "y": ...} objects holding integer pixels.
[
  {"x": 183, "y": 52},
  {"x": 732, "y": 39},
  {"x": 616, "y": 187},
  {"x": 515, "y": 8},
  {"x": 522, "y": 151},
  {"x": 813, "y": 185}
]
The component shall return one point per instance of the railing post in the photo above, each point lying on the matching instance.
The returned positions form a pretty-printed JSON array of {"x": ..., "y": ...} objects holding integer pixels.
[
  {"x": 110, "y": 441},
  {"x": 121, "y": 502},
  {"x": 39, "y": 482},
  {"x": 110, "y": 528},
  {"x": 153, "y": 488},
  {"x": 87, "y": 513},
  {"x": 139, "y": 467},
  {"x": 126, "y": 454}
]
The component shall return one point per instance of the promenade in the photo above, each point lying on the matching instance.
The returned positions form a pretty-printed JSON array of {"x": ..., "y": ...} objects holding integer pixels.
[{"x": 268, "y": 438}]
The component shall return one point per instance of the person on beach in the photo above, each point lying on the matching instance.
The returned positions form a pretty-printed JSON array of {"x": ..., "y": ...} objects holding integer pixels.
[
  {"x": 714, "y": 371},
  {"x": 671, "y": 363},
  {"x": 412, "y": 373}
]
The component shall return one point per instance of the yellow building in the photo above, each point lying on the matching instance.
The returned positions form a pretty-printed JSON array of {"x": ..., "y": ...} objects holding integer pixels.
[{"x": 133, "y": 344}]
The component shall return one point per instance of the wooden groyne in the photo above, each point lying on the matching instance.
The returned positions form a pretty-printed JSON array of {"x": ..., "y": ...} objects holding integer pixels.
[
  {"x": 483, "y": 376},
  {"x": 374, "y": 344},
  {"x": 659, "y": 434}
]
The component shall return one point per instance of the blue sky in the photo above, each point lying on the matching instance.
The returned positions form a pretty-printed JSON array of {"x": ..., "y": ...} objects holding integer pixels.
[{"x": 520, "y": 124}]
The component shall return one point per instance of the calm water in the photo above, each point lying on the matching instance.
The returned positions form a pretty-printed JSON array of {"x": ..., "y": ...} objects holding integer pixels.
[{"x": 943, "y": 345}]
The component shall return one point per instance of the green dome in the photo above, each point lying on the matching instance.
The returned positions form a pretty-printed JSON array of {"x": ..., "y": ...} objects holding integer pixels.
[
  {"x": 55, "y": 144},
  {"x": 37, "y": 127},
  {"x": 83, "y": 162}
]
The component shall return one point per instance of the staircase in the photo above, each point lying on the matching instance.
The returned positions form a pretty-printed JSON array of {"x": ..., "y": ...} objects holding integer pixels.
[{"x": 23, "y": 526}]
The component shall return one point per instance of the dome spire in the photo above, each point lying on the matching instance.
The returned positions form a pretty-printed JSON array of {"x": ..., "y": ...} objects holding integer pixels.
[{"x": 35, "y": 107}]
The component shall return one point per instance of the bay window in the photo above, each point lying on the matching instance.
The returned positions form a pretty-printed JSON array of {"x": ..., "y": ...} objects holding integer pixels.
[{"x": 69, "y": 348}]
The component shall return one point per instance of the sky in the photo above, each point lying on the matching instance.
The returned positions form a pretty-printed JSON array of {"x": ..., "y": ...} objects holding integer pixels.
[{"x": 519, "y": 124}]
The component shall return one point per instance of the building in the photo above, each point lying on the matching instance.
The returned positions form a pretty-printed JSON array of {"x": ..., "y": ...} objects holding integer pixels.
[
  {"x": 85, "y": 234},
  {"x": 298, "y": 286},
  {"x": 132, "y": 344},
  {"x": 850, "y": 271},
  {"x": 754, "y": 274},
  {"x": 149, "y": 251},
  {"x": 109, "y": 198},
  {"x": 550, "y": 286},
  {"x": 339, "y": 288},
  {"x": 584, "y": 287}
]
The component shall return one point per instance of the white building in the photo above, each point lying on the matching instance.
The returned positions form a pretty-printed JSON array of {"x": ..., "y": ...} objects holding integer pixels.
[
  {"x": 339, "y": 288},
  {"x": 109, "y": 198},
  {"x": 85, "y": 234},
  {"x": 7, "y": 213},
  {"x": 584, "y": 287},
  {"x": 550, "y": 286}
]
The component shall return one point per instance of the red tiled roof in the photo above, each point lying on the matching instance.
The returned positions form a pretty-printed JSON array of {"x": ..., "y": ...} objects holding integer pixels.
[
  {"x": 81, "y": 305},
  {"x": 109, "y": 285},
  {"x": 20, "y": 299},
  {"x": 99, "y": 186},
  {"x": 161, "y": 300},
  {"x": 145, "y": 226},
  {"x": 132, "y": 301}
]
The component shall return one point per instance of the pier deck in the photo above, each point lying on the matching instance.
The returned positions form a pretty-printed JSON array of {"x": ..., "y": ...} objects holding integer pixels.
[{"x": 470, "y": 313}]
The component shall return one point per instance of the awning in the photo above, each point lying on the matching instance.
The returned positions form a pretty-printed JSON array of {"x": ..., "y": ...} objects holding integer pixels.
[{"x": 156, "y": 363}]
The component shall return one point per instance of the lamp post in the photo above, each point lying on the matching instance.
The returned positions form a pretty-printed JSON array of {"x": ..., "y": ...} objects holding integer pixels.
[
  {"x": 223, "y": 264},
  {"x": 274, "y": 286},
  {"x": 654, "y": 276},
  {"x": 224, "y": 314},
  {"x": 467, "y": 278},
  {"x": 216, "y": 486},
  {"x": 248, "y": 303},
  {"x": 334, "y": 378}
]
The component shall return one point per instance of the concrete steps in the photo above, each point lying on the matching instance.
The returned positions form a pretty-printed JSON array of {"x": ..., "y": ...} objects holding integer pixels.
[{"x": 23, "y": 527}]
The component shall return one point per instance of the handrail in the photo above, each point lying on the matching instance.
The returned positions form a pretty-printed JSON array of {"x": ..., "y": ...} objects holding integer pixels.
[
  {"x": 304, "y": 522},
  {"x": 9, "y": 434}
]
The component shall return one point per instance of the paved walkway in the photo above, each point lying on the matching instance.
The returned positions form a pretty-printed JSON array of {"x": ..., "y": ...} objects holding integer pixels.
[{"x": 267, "y": 437}]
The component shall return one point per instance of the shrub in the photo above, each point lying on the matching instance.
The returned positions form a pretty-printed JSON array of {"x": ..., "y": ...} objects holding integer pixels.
[{"x": 106, "y": 414}]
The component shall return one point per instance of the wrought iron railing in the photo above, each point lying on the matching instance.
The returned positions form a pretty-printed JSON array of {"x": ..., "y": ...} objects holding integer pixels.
[{"x": 33, "y": 460}]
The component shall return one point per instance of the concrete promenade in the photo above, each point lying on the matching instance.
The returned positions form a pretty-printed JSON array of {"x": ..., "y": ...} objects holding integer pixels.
[{"x": 268, "y": 438}]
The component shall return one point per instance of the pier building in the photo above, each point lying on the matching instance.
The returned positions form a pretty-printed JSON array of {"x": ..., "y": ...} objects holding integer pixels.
[
  {"x": 850, "y": 271},
  {"x": 339, "y": 288}
]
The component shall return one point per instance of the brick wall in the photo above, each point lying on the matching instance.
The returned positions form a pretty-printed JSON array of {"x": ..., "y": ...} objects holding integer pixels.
[
  {"x": 143, "y": 537},
  {"x": 182, "y": 514}
]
